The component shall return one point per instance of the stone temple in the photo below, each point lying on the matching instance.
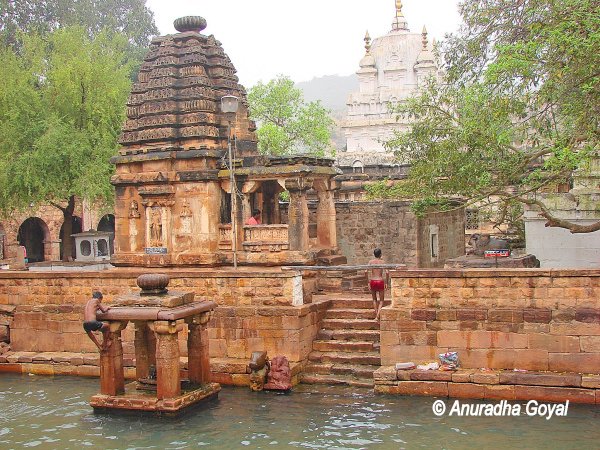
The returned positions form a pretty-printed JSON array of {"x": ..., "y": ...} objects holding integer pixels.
[
  {"x": 173, "y": 182},
  {"x": 390, "y": 71}
]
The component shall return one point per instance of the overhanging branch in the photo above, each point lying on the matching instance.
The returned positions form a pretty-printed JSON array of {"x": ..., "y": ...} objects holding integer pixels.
[{"x": 553, "y": 221}]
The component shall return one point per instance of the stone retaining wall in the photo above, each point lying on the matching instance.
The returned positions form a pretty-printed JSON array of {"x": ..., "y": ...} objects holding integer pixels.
[
  {"x": 263, "y": 310},
  {"x": 531, "y": 319},
  {"x": 493, "y": 385}
]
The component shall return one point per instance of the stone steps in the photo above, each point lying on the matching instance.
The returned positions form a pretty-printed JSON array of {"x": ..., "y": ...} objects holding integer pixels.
[
  {"x": 343, "y": 346},
  {"x": 361, "y": 371},
  {"x": 346, "y": 349},
  {"x": 350, "y": 314},
  {"x": 351, "y": 324},
  {"x": 349, "y": 335},
  {"x": 355, "y": 303},
  {"x": 366, "y": 358}
]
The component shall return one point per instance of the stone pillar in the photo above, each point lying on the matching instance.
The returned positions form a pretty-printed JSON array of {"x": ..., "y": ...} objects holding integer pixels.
[
  {"x": 112, "y": 376},
  {"x": 51, "y": 250},
  {"x": 142, "y": 350},
  {"x": 198, "y": 355},
  {"x": 168, "y": 384},
  {"x": 246, "y": 207},
  {"x": 298, "y": 213},
  {"x": 326, "y": 221}
]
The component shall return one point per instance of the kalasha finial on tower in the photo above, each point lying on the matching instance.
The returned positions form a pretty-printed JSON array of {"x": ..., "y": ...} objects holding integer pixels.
[
  {"x": 367, "y": 42},
  {"x": 425, "y": 40},
  {"x": 399, "y": 8},
  {"x": 399, "y": 23}
]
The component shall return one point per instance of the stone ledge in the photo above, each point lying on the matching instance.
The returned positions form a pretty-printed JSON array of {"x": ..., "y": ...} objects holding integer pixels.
[
  {"x": 493, "y": 272},
  {"x": 175, "y": 273},
  {"x": 230, "y": 371},
  {"x": 490, "y": 384}
]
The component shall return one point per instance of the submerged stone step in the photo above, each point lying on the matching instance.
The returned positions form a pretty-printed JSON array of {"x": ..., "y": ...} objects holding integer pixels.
[
  {"x": 360, "y": 371},
  {"x": 350, "y": 324},
  {"x": 335, "y": 379},
  {"x": 366, "y": 358},
  {"x": 343, "y": 346}
]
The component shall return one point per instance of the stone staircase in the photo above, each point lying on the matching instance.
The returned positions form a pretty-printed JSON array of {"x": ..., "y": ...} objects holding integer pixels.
[{"x": 346, "y": 349}]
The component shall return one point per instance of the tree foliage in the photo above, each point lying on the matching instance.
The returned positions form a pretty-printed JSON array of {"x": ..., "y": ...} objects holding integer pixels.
[
  {"x": 517, "y": 112},
  {"x": 130, "y": 18},
  {"x": 62, "y": 105},
  {"x": 287, "y": 124}
]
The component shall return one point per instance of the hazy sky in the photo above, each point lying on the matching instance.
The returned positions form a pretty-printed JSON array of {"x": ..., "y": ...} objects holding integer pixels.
[{"x": 302, "y": 39}]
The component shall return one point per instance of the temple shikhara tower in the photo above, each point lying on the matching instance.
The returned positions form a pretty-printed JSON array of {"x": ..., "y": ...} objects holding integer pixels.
[
  {"x": 390, "y": 71},
  {"x": 177, "y": 200}
]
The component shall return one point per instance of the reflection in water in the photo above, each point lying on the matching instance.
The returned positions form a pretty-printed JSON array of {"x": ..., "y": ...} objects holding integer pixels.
[{"x": 54, "y": 413}]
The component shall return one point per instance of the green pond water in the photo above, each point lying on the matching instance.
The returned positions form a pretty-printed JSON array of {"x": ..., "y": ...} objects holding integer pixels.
[{"x": 53, "y": 413}]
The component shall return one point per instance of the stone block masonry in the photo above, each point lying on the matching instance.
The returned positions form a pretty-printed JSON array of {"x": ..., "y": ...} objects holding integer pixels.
[
  {"x": 403, "y": 237},
  {"x": 530, "y": 319},
  {"x": 257, "y": 310}
]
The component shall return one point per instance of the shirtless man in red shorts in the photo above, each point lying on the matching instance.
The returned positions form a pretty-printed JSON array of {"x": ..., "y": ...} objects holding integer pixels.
[{"x": 376, "y": 282}]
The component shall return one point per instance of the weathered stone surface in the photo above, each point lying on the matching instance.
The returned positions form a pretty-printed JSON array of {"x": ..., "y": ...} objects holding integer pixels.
[
  {"x": 385, "y": 373},
  {"x": 553, "y": 394},
  {"x": 541, "y": 379},
  {"x": 427, "y": 388},
  {"x": 485, "y": 377},
  {"x": 431, "y": 375},
  {"x": 590, "y": 381},
  {"x": 499, "y": 392},
  {"x": 465, "y": 390}
]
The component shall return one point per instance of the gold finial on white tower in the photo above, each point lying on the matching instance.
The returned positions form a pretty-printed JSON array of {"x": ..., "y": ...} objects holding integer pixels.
[
  {"x": 399, "y": 8},
  {"x": 399, "y": 23}
]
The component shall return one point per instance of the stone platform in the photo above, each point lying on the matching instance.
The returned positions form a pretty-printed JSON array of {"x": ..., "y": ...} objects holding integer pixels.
[
  {"x": 479, "y": 262},
  {"x": 490, "y": 384},
  {"x": 139, "y": 400}
]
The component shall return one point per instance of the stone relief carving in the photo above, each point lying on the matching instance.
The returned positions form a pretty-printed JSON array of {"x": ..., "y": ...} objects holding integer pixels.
[
  {"x": 156, "y": 228},
  {"x": 186, "y": 218},
  {"x": 134, "y": 211}
]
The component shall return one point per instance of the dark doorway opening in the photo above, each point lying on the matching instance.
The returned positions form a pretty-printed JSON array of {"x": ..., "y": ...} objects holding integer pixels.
[
  {"x": 31, "y": 235},
  {"x": 76, "y": 228}
]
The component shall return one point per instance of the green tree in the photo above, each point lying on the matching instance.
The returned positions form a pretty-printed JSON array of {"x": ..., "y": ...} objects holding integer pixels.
[
  {"x": 517, "y": 113},
  {"x": 287, "y": 124},
  {"x": 128, "y": 17},
  {"x": 62, "y": 105}
]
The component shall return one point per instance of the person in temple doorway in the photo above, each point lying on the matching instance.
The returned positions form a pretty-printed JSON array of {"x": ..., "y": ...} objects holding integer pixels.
[{"x": 255, "y": 218}]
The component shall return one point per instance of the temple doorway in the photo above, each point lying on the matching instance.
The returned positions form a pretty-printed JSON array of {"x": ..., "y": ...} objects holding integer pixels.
[
  {"x": 76, "y": 225},
  {"x": 107, "y": 223},
  {"x": 32, "y": 234}
]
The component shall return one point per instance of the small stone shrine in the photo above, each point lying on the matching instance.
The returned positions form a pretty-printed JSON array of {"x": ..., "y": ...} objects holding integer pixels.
[
  {"x": 173, "y": 179},
  {"x": 159, "y": 317}
]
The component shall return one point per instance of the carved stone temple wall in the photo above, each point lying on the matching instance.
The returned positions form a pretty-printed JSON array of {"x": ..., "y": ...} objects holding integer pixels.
[
  {"x": 174, "y": 191},
  {"x": 166, "y": 181}
]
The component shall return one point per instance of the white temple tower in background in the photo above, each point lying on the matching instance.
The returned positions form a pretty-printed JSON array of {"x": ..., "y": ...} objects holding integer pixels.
[{"x": 389, "y": 72}]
